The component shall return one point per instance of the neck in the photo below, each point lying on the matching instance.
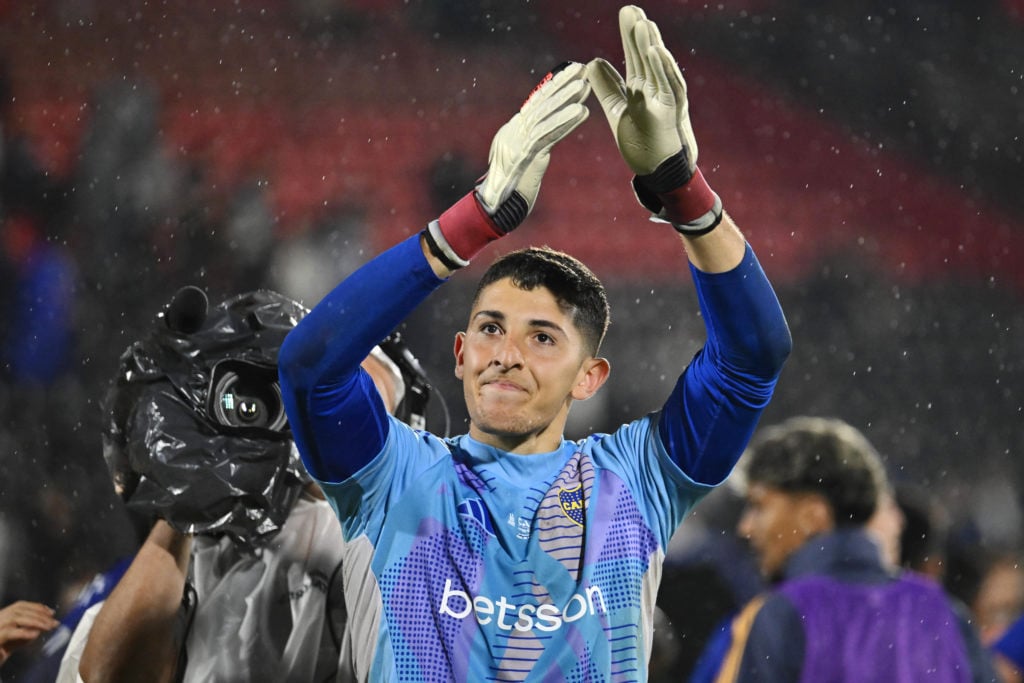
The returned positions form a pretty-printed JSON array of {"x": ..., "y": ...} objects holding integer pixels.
[{"x": 542, "y": 441}]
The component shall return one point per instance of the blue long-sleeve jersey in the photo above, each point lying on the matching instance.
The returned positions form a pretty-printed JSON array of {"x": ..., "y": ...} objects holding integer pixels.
[{"x": 464, "y": 562}]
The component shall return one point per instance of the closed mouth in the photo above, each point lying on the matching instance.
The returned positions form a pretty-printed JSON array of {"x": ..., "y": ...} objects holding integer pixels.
[{"x": 503, "y": 385}]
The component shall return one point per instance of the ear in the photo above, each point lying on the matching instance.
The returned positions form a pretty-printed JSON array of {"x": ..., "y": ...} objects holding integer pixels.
[
  {"x": 590, "y": 378},
  {"x": 815, "y": 515},
  {"x": 460, "y": 344}
]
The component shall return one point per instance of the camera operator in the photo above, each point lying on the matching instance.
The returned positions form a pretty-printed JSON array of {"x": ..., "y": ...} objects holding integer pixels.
[{"x": 240, "y": 576}]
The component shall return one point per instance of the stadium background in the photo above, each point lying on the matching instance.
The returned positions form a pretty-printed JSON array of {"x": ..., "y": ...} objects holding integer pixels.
[{"x": 872, "y": 154}]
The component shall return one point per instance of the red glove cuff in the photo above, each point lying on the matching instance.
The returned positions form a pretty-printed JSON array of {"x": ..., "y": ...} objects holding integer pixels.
[
  {"x": 467, "y": 228},
  {"x": 690, "y": 202}
]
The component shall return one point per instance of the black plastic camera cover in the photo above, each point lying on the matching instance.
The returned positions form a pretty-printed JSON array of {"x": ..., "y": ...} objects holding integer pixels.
[{"x": 194, "y": 431}]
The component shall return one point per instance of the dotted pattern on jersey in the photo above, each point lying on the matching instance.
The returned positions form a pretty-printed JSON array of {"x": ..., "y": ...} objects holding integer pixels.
[
  {"x": 612, "y": 545},
  {"x": 626, "y": 549},
  {"x": 622, "y": 547},
  {"x": 586, "y": 671},
  {"x": 623, "y": 559},
  {"x": 522, "y": 649},
  {"x": 411, "y": 595}
]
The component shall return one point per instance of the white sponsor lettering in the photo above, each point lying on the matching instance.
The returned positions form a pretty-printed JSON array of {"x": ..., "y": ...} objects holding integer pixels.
[{"x": 526, "y": 617}]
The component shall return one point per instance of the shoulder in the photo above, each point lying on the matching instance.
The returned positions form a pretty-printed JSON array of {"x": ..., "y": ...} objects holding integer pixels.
[
  {"x": 767, "y": 642},
  {"x": 777, "y": 609},
  {"x": 769, "y": 614},
  {"x": 408, "y": 447},
  {"x": 637, "y": 435}
]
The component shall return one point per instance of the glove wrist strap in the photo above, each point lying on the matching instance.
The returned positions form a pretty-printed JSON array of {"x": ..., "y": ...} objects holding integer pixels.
[
  {"x": 678, "y": 196},
  {"x": 672, "y": 173},
  {"x": 440, "y": 248},
  {"x": 704, "y": 224}
]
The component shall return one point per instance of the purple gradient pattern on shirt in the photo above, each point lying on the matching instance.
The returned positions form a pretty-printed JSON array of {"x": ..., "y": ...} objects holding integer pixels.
[
  {"x": 900, "y": 631},
  {"x": 414, "y": 589}
]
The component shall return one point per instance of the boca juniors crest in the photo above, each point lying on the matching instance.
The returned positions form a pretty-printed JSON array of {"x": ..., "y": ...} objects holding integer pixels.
[{"x": 571, "y": 502}]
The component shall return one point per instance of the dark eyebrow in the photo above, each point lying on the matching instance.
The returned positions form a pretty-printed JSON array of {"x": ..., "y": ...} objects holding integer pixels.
[
  {"x": 497, "y": 315},
  {"x": 537, "y": 322},
  {"x": 547, "y": 324}
]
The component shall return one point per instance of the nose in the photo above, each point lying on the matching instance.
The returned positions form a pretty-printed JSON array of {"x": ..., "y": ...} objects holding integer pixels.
[{"x": 507, "y": 354}]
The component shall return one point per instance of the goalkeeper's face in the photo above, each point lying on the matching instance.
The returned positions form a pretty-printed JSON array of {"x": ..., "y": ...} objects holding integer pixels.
[{"x": 522, "y": 360}]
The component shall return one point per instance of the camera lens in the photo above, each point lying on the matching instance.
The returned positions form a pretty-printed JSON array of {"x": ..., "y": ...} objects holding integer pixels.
[
  {"x": 249, "y": 411},
  {"x": 252, "y": 399}
]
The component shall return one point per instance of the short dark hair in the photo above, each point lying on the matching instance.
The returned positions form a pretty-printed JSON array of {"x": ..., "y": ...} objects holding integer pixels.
[
  {"x": 575, "y": 287},
  {"x": 820, "y": 455}
]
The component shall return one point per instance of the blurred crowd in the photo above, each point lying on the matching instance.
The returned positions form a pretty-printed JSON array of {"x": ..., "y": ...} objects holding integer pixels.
[{"x": 88, "y": 257}]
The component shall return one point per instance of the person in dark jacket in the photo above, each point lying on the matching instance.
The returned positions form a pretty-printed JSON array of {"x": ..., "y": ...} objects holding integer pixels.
[{"x": 838, "y": 611}]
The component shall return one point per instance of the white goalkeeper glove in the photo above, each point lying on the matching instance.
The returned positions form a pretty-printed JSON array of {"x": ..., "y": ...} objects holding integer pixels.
[
  {"x": 519, "y": 155},
  {"x": 650, "y": 119}
]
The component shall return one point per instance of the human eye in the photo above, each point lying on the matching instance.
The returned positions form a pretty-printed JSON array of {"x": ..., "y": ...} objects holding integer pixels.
[
  {"x": 490, "y": 327},
  {"x": 544, "y": 338}
]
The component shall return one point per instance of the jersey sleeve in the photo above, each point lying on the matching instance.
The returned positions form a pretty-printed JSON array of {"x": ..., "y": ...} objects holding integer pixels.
[
  {"x": 663, "y": 492},
  {"x": 713, "y": 410},
  {"x": 362, "y": 500},
  {"x": 328, "y": 398}
]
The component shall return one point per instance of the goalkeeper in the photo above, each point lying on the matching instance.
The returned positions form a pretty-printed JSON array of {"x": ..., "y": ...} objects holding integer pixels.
[{"x": 511, "y": 553}]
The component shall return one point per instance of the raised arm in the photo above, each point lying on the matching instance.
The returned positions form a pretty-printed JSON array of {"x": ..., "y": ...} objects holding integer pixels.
[
  {"x": 714, "y": 408},
  {"x": 328, "y": 400},
  {"x": 138, "y": 634},
  {"x": 649, "y": 116}
]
